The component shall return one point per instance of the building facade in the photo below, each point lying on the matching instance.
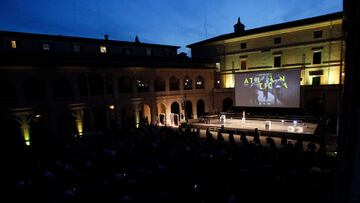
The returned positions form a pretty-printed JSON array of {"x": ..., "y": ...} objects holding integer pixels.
[
  {"x": 53, "y": 87},
  {"x": 314, "y": 45}
]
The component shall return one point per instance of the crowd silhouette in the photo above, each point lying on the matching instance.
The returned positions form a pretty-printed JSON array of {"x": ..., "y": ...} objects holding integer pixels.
[{"x": 152, "y": 164}]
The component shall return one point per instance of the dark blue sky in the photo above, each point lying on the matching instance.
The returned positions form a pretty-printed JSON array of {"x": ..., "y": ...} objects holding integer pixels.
[{"x": 173, "y": 22}]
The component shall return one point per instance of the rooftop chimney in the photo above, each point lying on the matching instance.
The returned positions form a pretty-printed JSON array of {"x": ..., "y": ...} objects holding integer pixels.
[
  {"x": 239, "y": 27},
  {"x": 137, "y": 39},
  {"x": 106, "y": 37}
]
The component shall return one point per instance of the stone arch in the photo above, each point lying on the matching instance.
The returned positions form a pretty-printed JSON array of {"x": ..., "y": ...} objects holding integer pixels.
[
  {"x": 145, "y": 113},
  {"x": 200, "y": 108},
  {"x": 128, "y": 116},
  {"x": 175, "y": 112},
  {"x": 67, "y": 120},
  {"x": 39, "y": 133},
  {"x": 161, "y": 110},
  {"x": 188, "y": 110}
]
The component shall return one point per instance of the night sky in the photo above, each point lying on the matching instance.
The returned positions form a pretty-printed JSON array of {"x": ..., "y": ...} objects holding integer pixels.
[{"x": 172, "y": 22}]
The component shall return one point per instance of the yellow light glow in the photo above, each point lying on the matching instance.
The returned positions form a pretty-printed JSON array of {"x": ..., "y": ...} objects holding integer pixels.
[
  {"x": 103, "y": 49},
  {"x": 13, "y": 44},
  {"x": 79, "y": 126},
  {"x": 137, "y": 119},
  {"x": 112, "y": 107},
  {"x": 334, "y": 76},
  {"x": 25, "y": 129},
  {"x": 229, "y": 81}
]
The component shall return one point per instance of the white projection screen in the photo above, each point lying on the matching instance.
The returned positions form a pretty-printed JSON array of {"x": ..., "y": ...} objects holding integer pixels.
[{"x": 280, "y": 88}]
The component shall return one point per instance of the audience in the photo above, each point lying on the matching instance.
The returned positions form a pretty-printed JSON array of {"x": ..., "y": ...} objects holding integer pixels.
[{"x": 161, "y": 164}]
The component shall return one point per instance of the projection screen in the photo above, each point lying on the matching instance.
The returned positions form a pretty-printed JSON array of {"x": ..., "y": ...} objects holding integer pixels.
[{"x": 280, "y": 88}]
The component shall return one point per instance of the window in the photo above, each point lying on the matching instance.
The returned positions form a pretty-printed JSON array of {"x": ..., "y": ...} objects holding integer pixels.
[
  {"x": 200, "y": 83},
  {"x": 217, "y": 65},
  {"x": 103, "y": 49},
  {"x": 174, "y": 83},
  {"x": 76, "y": 48},
  {"x": 13, "y": 44},
  {"x": 316, "y": 80},
  {"x": 149, "y": 52},
  {"x": 233, "y": 65},
  {"x": 127, "y": 51},
  {"x": 187, "y": 83},
  {"x": 142, "y": 84},
  {"x": 159, "y": 84},
  {"x": 243, "y": 45},
  {"x": 277, "y": 61},
  {"x": 317, "y": 57},
  {"x": 277, "y": 40},
  {"x": 318, "y": 34},
  {"x": 46, "y": 46},
  {"x": 243, "y": 64}
]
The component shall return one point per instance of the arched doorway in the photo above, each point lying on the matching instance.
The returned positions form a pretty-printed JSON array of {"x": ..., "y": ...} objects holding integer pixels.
[
  {"x": 175, "y": 112},
  {"x": 7, "y": 89},
  {"x": 227, "y": 104},
  {"x": 13, "y": 145},
  {"x": 145, "y": 113},
  {"x": 39, "y": 134},
  {"x": 67, "y": 124},
  {"x": 200, "y": 107},
  {"x": 161, "y": 108},
  {"x": 128, "y": 116},
  {"x": 12, "y": 139},
  {"x": 188, "y": 110},
  {"x": 100, "y": 118}
]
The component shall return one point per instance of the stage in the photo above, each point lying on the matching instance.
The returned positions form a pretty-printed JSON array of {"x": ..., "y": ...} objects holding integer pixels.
[{"x": 276, "y": 128}]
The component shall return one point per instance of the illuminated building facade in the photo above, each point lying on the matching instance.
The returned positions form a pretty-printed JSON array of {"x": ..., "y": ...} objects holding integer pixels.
[
  {"x": 314, "y": 45},
  {"x": 70, "y": 86}
]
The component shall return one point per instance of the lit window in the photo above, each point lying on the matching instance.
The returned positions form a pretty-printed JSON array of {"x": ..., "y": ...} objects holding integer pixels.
[
  {"x": 76, "y": 48},
  {"x": 187, "y": 84},
  {"x": 103, "y": 49},
  {"x": 46, "y": 46},
  {"x": 200, "y": 83},
  {"x": 13, "y": 44}
]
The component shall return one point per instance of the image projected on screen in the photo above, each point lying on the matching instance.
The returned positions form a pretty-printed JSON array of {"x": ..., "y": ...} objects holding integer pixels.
[{"x": 268, "y": 89}]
